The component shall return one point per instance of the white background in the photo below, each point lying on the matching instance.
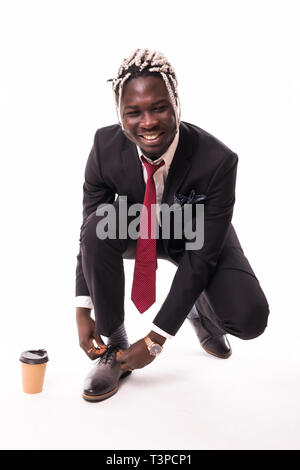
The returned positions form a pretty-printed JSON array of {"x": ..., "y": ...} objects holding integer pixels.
[{"x": 238, "y": 68}]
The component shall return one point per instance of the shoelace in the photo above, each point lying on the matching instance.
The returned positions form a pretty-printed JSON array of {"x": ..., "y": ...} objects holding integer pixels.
[{"x": 109, "y": 354}]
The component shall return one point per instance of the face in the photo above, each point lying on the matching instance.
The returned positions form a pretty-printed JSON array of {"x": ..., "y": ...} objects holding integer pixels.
[{"x": 147, "y": 115}]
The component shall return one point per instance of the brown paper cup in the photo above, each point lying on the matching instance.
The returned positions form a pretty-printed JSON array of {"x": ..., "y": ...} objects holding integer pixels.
[
  {"x": 33, "y": 377},
  {"x": 33, "y": 370}
]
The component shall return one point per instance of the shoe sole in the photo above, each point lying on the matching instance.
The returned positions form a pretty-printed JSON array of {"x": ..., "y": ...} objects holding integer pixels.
[
  {"x": 224, "y": 356},
  {"x": 104, "y": 396}
]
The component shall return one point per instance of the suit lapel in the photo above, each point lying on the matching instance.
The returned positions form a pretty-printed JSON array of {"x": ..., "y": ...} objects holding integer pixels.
[
  {"x": 132, "y": 172},
  {"x": 179, "y": 167}
]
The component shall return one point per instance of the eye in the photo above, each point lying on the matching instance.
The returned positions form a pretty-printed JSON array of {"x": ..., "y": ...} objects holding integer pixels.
[
  {"x": 160, "y": 109},
  {"x": 132, "y": 113}
]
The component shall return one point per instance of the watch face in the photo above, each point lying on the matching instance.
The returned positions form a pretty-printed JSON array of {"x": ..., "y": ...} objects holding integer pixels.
[{"x": 155, "y": 349}]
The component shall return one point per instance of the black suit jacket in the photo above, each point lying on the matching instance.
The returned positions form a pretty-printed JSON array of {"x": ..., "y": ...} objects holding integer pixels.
[{"x": 201, "y": 163}]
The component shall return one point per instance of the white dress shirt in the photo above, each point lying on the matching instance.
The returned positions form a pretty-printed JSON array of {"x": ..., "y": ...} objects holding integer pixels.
[{"x": 159, "y": 178}]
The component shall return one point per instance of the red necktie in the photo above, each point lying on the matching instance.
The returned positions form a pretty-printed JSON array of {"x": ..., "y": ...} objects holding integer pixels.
[{"x": 143, "y": 286}]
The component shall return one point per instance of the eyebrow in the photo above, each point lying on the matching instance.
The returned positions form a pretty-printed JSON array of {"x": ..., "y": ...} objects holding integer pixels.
[{"x": 153, "y": 104}]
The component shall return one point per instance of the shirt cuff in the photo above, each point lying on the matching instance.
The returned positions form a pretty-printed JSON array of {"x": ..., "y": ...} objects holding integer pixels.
[
  {"x": 84, "y": 301},
  {"x": 161, "y": 332}
]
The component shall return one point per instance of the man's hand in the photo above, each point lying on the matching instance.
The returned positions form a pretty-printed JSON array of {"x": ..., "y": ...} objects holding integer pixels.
[
  {"x": 135, "y": 357},
  {"x": 87, "y": 334},
  {"x": 138, "y": 356}
]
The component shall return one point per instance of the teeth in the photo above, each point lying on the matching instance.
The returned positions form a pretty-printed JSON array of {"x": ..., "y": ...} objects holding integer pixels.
[{"x": 151, "y": 137}]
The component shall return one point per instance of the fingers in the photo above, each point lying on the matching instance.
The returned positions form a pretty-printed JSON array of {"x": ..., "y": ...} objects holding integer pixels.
[
  {"x": 98, "y": 339},
  {"x": 94, "y": 352},
  {"x": 121, "y": 357},
  {"x": 126, "y": 367}
]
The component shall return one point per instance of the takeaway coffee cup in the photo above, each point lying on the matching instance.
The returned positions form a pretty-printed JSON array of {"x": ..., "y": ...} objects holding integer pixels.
[{"x": 34, "y": 364}]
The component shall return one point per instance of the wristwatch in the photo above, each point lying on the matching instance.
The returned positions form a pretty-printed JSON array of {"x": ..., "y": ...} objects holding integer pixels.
[{"x": 154, "y": 348}]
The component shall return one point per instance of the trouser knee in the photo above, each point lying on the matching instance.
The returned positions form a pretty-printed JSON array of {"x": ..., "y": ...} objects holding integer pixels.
[{"x": 252, "y": 324}]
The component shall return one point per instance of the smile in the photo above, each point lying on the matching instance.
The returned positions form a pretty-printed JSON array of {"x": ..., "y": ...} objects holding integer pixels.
[{"x": 153, "y": 138}]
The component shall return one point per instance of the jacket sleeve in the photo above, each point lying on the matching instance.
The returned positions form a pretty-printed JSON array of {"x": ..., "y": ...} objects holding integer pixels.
[
  {"x": 95, "y": 192},
  {"x": 196, "y": 266}
]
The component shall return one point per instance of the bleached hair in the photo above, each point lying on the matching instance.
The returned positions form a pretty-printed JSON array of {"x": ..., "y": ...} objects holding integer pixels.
[{"x": 144, "y": 62}]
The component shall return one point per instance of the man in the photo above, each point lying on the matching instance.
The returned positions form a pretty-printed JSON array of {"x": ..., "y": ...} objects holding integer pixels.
[{"x": 151, "y": 157}]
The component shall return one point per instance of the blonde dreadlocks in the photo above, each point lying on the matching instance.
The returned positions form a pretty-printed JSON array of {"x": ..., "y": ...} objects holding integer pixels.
[{"x": 144, "y": 62}]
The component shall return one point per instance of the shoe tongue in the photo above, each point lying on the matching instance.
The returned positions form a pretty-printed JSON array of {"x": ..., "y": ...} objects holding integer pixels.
[
  {"x": 120, "y": 345},
  {"x": 113, "y": 348}
]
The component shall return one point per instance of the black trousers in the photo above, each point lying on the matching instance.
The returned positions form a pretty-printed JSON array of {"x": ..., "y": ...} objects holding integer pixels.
[{"x": 233, "y": 302}]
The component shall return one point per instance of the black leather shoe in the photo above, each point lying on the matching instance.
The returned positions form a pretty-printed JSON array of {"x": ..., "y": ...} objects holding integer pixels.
[
  {"x": 213, "y": 343},
  {"x": 103, "y": 380}
]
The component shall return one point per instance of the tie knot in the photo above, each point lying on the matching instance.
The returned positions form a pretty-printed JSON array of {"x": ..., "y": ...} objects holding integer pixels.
[{"x": 151, "y": 167}]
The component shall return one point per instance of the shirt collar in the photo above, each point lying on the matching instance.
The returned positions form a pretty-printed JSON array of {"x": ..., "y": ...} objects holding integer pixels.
[{"x": 167, "y": 156}]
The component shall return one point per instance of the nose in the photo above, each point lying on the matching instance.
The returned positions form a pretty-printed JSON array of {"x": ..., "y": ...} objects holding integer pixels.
[{"x": 148, "y": 121}]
